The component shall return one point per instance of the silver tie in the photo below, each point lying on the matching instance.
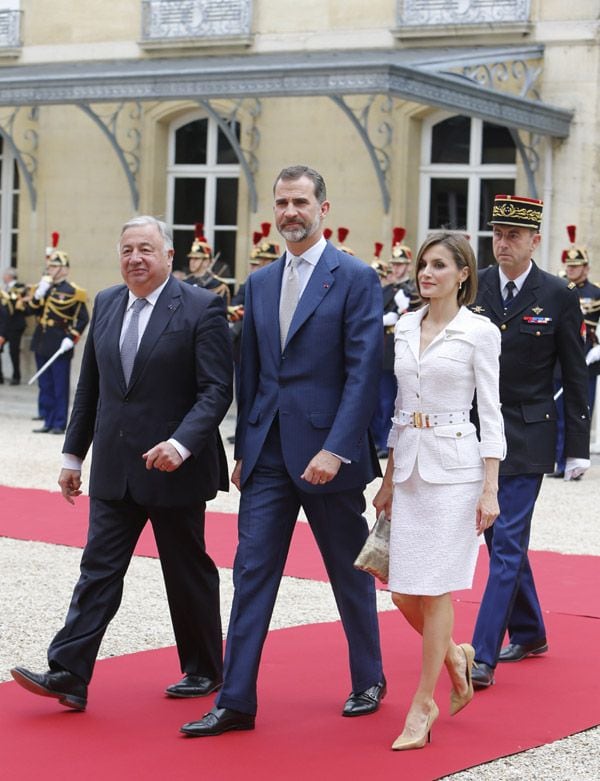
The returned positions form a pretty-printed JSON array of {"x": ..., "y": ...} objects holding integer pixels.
[
  {"x": 130, "y": 339},
  {"x": 290, "y": 294}
]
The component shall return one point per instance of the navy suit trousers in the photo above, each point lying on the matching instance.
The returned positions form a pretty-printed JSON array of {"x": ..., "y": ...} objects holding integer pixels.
[
  {"x": 269, "y": 507},
  {"x": 510, "y": 599}
]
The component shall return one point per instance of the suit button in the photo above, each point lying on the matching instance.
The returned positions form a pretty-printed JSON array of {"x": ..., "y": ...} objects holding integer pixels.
[
  {"x": 538, "y": 333},
  {"x": 459, "y": 433},
  {"x": 503, "y": 327},
  {"x": 547, "y": 416}
]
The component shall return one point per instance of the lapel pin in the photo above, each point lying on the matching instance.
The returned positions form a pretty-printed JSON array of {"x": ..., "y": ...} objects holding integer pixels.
[{"x": 537, "y": 310}]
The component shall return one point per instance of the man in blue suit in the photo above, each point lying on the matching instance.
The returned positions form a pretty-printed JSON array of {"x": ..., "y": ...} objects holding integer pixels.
[{"x": 311, "y": 358}]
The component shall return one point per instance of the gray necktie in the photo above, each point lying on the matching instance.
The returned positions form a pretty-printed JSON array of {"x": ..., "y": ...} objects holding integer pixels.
[
  {"x": 289, "y": 298},
  {"x": 130, "y": 339}
]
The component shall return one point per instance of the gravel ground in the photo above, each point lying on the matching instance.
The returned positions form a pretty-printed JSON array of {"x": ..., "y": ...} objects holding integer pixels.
[{"x": 32, "y": 608}]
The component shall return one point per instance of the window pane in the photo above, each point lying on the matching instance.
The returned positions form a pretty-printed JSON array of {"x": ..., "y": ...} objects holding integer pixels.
[
  {"x": 16, "y": 182},
  {"x": 450, "y": 140},
  {"x": 224, "y": 265},
  {"x": 485, "y": 255},
  {"x": 225, "y": 152},
  {"x": 190, "y": 142},
  {"x": 15, "y": 214},
  {"x": 489, "y": 189},
  {"x": 189, "y": 201},
  {"x": 182, "y": 243},
  {"x": 498, "y": 145},
  {"x": 226, "y": 205},
  {"x": 448, "y": 204}
]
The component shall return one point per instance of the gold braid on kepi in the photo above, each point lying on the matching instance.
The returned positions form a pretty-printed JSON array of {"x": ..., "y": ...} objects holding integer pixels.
[
  {"x": 401, "y": 253},
  {"x": 573, "y": 255},
  {"x": 518, "y": 211},
  {"x": 200, "y": 247},
  {"x": 263, "y": 249}
]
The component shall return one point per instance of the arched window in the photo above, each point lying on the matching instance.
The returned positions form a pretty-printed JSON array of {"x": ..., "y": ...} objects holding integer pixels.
[
  {"x": 465, "y": 163},
  {"x": 202, "y": 186},
  {"x": 9, "y": 205}
]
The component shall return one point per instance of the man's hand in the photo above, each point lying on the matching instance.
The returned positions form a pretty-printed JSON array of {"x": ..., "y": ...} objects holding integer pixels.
[
  {"x": 69, "y": 481},
  {"x": 163, "y": 457},
  {"x": 236, "y": 475},
  {"x": 576, "y": 468},
  {"x": 322, "y": 468},
  {"x": 2, "y": 341}
]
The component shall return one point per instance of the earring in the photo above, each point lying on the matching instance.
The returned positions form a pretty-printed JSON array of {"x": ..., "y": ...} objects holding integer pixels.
[{"x": 459, "y": 286}]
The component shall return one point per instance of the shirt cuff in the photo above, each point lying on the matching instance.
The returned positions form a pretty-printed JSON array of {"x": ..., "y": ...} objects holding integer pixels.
[
  {"x": 69, "y": 461},
  {"x": 342, "y": 459},
  {"x": 181, "y": 449}
]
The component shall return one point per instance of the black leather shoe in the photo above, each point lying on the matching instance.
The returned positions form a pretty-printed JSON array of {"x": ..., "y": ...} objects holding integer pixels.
[
  {"x": 42, "y": 430},
  {"x": 482, "y": 675},
  {"x": 365, "y": 702},
  {"x": 217, "y": 721},
  {"x": 57, "y": 431},
  {"x": 558, "y": 474},
  {"x": 193, "y": 686},
  {"x": 515, "y": 652},
  {"x": 38, "y": 417},
  {"x": 67, "y": 688}
]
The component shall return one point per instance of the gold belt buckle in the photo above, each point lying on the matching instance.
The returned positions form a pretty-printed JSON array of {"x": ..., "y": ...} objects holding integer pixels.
[{"x": 419, "y": 420}]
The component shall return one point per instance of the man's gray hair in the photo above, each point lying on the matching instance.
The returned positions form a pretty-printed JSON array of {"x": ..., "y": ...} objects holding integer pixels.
[{"x": 145, "y": 219}]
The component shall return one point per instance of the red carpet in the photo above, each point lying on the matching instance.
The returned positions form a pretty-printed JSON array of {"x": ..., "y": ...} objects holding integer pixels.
[
  {"x": 568, "y": 584},
  {"x": 130, "y": 730}
]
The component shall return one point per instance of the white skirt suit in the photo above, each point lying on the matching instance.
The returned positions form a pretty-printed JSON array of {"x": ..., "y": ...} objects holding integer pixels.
[{"x": 438, "y": 470}]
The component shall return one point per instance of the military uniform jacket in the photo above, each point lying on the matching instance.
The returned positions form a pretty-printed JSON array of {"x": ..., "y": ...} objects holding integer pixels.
[
  {"x": 543, "y": 325},
  {"x": 11, "y": 301},
  {"x": 62, "y": 312},
  {"x": 589, "y": 300},
  {"x": 389, "y": 305}
]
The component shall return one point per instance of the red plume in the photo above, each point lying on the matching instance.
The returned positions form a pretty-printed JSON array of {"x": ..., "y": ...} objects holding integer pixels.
[
  {"x": 55, "y": 238},
  {"x": 265, "y": 227},
  {"x": 564, "y": 256},
  {"x": 398, "y": 234},
  {"x": 327, "y": 233},
  {"x": 571, "y": 230},
  {"x": 256, "y": 237},
  {"x": 378, "y": 248},
  {"x": 199, "y": 231},
  {"x": 342, "y": 233}
]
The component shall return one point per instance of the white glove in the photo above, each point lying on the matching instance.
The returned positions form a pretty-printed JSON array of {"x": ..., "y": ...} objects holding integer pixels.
[
  {"x": 401, "y": 300},
  {"x": 66, "y": 345},
  {"x": 575, "y": 467},
  {"x": 42, "y": 288},
  {"x": 391, "y": 318},
  {"x": 593, "y": 355}
]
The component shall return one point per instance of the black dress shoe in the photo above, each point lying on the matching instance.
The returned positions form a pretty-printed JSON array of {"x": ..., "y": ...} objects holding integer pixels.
[
  {"x": 217, "y": 721},
  {"x": 193, "y": 686},
  {"x": 515, "y": 652},
  {"x": 482, "y": 675},
  {"x": 558, "y": 474},
  {"x": 365, "y": 702},
  {"x": 67, "y": 688},
  {"x": 57, "y": 431},
  {"x": 42, "y": 430}
]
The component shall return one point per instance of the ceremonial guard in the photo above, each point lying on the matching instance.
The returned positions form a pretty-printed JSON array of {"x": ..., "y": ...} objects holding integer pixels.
[
  {"x": 200, "y": 263},
  {"x": 62, "y": 313},
  {"x": 342, "y": 235},
  {"x": 540, "y": 322},
  {"x": 12, "y": 301},
  {"x": 576, "y": 270},
  {"x": 399, "y": 296}
]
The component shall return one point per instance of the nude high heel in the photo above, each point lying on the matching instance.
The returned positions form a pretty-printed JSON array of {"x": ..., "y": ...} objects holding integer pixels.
[
  {"x": 407, "y": 742},
  {"x": 459, "y": 701}
]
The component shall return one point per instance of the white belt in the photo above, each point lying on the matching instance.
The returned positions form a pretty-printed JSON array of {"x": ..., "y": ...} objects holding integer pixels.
[{"x": 430, "y": 419}]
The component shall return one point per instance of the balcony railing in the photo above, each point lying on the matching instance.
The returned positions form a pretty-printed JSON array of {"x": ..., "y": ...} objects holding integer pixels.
[
  {"x": 421, "y": 13},
  {"x": 164, "y": 21},
  {"x": 10, "y": 30}
]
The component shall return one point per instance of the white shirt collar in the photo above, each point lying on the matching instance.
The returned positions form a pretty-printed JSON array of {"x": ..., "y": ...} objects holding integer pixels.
[
  {"x": 151, "y": 298},
  {"x": 311, "y": 255},
  {"x": 519, "y": 281}
]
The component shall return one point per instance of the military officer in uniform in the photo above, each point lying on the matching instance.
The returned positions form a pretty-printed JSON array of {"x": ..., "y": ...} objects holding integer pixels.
[
  {"x": 540, "y": 322},
  {"x": 62, "y": 313},
  {"x": 577, "y": 268},
  {"x": 399, "y": 296},
  {"x": 12, "y": 300},
  {"x": 200, "y": 263}
]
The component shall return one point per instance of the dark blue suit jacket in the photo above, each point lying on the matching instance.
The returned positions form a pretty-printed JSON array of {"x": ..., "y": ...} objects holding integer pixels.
[
  {"x": 324, "y": 385},
  {"x": 180, "y": 387}
]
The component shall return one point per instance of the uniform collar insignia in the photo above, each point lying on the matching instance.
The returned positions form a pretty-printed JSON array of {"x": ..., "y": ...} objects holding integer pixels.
[
  {"x": 536, "y": 310},
  {"x": 478, "y": 309}
]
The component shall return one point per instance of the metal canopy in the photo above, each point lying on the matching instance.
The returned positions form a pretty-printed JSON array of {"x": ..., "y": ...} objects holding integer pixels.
[{"x": 420, "y": 75}]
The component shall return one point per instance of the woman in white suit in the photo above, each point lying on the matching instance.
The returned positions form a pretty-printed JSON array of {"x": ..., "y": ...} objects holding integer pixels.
[{"x": 441, "y": 482}]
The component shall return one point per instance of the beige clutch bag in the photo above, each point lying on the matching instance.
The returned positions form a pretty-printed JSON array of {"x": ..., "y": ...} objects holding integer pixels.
[{"x": 375, "y": 554}]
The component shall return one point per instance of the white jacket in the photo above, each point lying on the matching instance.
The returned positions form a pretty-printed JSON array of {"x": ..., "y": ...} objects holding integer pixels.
[{"x": 462, "y": 359}]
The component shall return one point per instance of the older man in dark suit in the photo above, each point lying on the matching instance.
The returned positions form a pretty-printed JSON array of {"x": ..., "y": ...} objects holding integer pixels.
[
  {"x": 156, "y": 381},
  {"x": 540, "y": 322},
  {"x": 311, "y": 357}
]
